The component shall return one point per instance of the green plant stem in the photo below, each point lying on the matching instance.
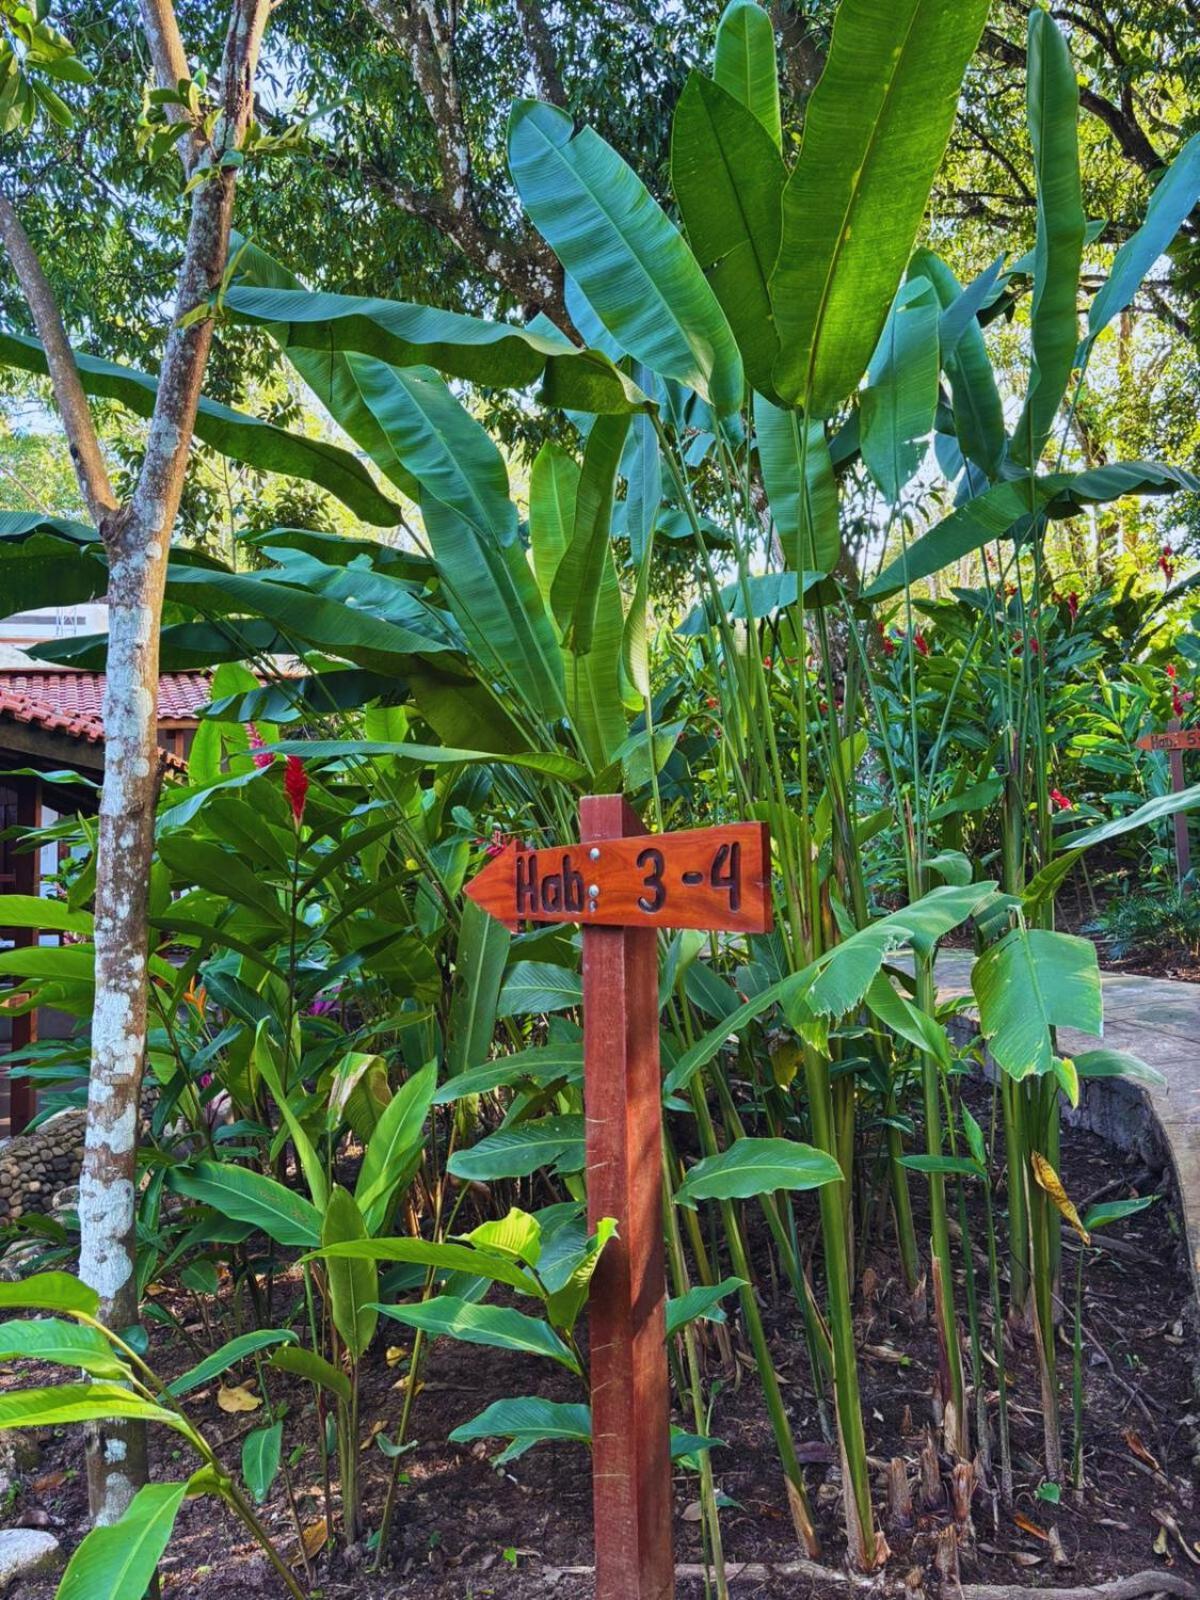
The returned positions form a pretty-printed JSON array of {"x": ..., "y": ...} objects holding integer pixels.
[{"x": 1006, "y": 1472}]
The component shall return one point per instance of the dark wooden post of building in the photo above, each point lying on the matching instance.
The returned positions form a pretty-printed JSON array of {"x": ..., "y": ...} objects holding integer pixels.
[
  {"x": 19, "y": 1092},
  {"x": 631, "y": 1441}
]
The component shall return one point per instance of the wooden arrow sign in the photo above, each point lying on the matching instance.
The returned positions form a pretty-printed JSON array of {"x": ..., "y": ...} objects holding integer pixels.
[
  {"x": 622, "y": 883},
  {"x": 1172, "y": 739},
  {"x": 711, "y": 878}
]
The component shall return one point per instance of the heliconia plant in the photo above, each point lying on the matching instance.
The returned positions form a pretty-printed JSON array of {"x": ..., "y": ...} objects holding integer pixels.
[{"x": 737, "y": 384}]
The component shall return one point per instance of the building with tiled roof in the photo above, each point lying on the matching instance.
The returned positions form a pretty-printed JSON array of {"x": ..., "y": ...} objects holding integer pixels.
[{"x": 51, "y": 724}]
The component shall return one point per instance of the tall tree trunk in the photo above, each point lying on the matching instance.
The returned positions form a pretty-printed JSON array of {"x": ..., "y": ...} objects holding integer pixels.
[{"x": 137, "y": 538}]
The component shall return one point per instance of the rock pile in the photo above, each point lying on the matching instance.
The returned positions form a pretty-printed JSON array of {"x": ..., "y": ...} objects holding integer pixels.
[{"x": 35, "y": 1166}]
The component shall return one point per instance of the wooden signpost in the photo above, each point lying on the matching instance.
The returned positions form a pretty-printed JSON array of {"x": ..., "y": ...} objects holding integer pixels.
[
  {"x": 622, "y": 883},
  {"x": 1176, "y": 740}
]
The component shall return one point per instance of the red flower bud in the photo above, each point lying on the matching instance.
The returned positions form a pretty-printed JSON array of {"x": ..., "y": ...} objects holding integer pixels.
[{"x": 295, "y": 786}]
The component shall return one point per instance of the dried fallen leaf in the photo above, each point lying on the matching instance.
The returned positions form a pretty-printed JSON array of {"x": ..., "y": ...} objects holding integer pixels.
[
  {"x": 693, "y": 1512},
  {"x": 48, "y": 1481},
  {"x": 1161, "y": 1545},
  {"x": 237, "y": 1397},
  {"x": 1030, "y": 1527},
  {"x": 395, "y": 1353},
  {"x": 376, "y": 1427},
  {"x": 314, "y": 1536},
  {"x": 1051, "y": 1183},
  {"x": 1137, "y": 1448}
]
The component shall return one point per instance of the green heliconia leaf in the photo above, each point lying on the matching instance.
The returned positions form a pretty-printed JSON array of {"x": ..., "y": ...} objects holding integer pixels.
[
  {"x": 571, "y": 1276},
  {"x": 527, "y": 1421},
  {"x": 395, "y": 1148},
  {"x": 896, "y": 409},
  {"x": 846, "y": 974},
  {"x": 246, "y": 1196},
  {"x": 70, "y": 1344},
  {"x": 1108, "y": 1211},
  {"x": 974, "y": 1134},
  {"x": 517, "y": 1234},
  {"x": 1031, "y": 981},
  {"x": 728, "y": 178},
  {"x": 242, "y": 438},
  {"x": 906, "y": 1020},
  {"x": 307, "y": 1364},
  {"x": 1052, "y": 94},
  {"x": 482, "y": 955},
  {"x": 546, "y": 762},
  {"x": 702, "y": 1301},
  {"x": 34, "y": 911},
  {"x": 246, "y": 1344},
  {"x": 1045, "y": 884},
  {"x": 59, "y": 1404},
  {"x": 118, "y": 1561},
  {"x": 1006, "y": 506},
  {"x": 1118, "y": 1064},
  {"x": 808, "y": 531},
  {"x": 517, "y": 1151},
  {"x": 875, "y": 131},
  {"x": 498, "y": 1326},
  {"x": 50, "y": 1291},
  {"x": 1176, "y": 192},
  {"x": 946, "y": 1166},
  {"x": 744, "y": 63},
  {"x": 265, "y": 1064},
  {"x": 618, "y": 245},
  {"x": 498, "y": 354},
  {"x": 757, "y": 1166},
  {"x": 445, "y": 1257},
  {"x": 262, "y": 1452},
  {"x": 353, "y": 1282},
  {"x": 575, "y": 592},
  {"x": 541, "y": 1065},
  {"x": 537, "y": 986}
]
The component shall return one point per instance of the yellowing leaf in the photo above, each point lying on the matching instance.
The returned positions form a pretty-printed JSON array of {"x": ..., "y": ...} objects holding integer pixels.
[
  {"x": 1049, "y": 1181},
  {"x": 785, "y": 1063},
  {"x": 395, "y": 1354},
  {"x": 314, "y": 1535},
  {"x": 237, "y": 1397}
]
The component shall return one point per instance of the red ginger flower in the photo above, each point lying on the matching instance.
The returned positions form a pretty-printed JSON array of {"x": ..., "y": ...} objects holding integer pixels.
[
  {"x": 295, "y": 786},
  {"x": 1073, "y": 604},
  {"x": 1059, "y": 800},
  {"x": 921, "y": 642},
  {"x": 262, "y": 757}
]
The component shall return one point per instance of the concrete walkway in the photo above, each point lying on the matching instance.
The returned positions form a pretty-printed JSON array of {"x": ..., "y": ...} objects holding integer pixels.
[{"x": 1158, "y": 1020}]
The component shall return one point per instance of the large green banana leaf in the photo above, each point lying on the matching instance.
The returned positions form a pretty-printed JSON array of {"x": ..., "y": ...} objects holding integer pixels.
[
  {"x": 405, "y": 335},
  {"x": 1052, "y": 95},
  {"x": 807, "y": 526},
  {"x": 1172, "y": 200},
  {"x": 993, "y": 514},
  {"x": 744, "y": 63},
  {"x": 46, "y": 561},
  {"x": 626, "y": 256},
  {"x": 728, "y": 179},
  {"x": 978, "y": 409},
  {"x": 875, "y": 132},
  {"x": 472, "y": 528},
  {"x": 242, "y": 438},
  {"x": 326, "y": 372},
  {"x": 593, "y": 680},
  {"x": 575, "y": 592},
  {"x": 897, "y": 406}
]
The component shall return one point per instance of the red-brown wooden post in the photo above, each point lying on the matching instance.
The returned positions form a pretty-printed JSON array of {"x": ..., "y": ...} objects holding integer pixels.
[
  {"x": 1183, "y": 848},
  {"x": 631, "y": 1439}
]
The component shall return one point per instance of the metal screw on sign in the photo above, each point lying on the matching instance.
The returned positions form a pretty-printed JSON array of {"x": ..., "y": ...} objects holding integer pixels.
[{"x": 710, "y": 878}]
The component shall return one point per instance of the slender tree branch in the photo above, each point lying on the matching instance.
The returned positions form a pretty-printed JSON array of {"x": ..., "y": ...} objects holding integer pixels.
[
  {"x": 86, "y": 455},
  {"x": 539, "y": 41}
]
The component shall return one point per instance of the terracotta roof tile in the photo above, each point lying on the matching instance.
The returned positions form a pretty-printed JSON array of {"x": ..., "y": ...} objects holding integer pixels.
[{"x": 69, "y": 702}]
